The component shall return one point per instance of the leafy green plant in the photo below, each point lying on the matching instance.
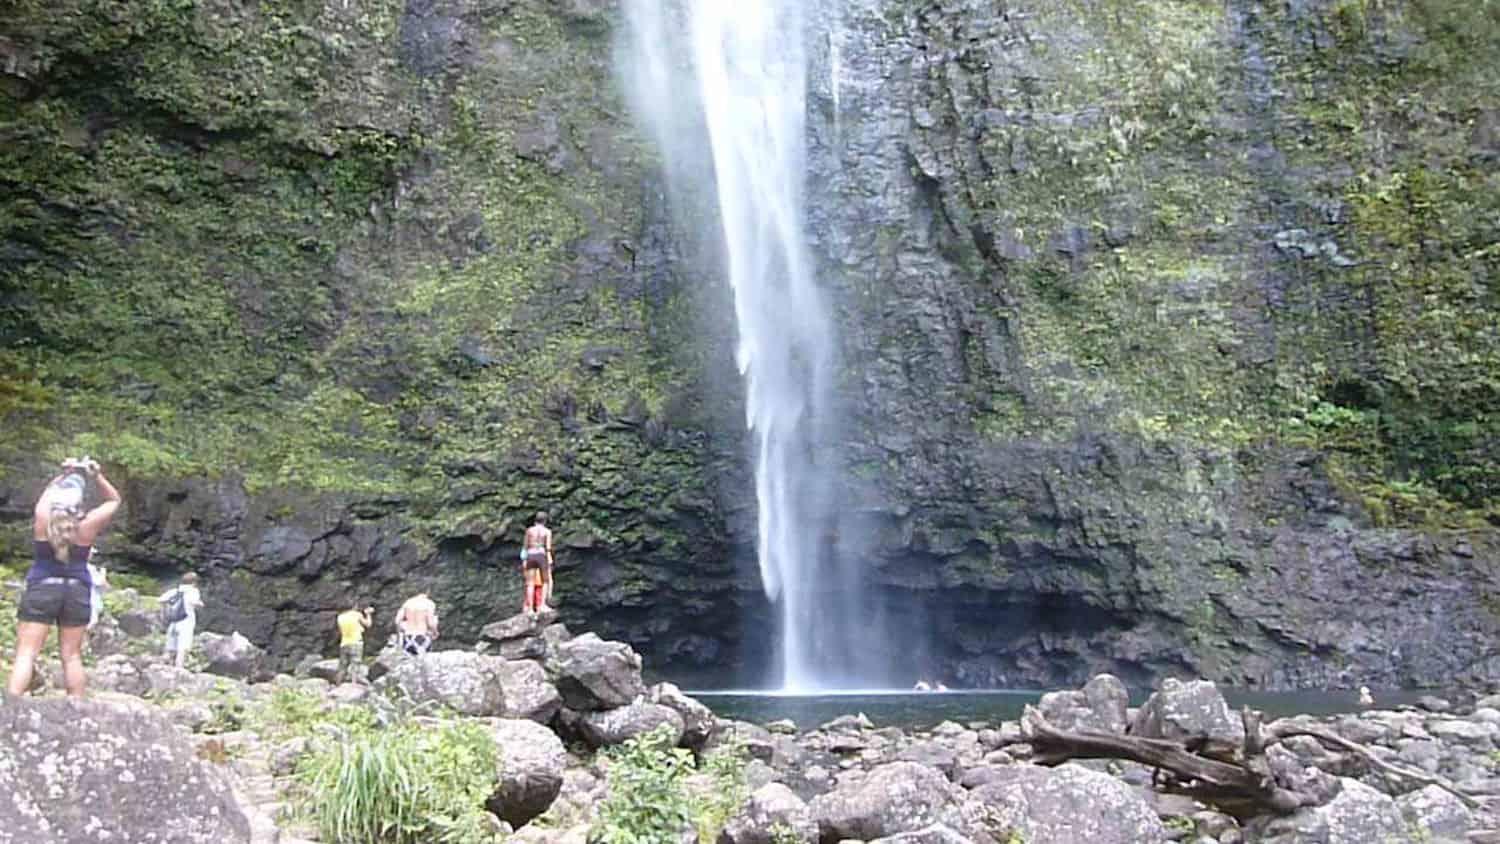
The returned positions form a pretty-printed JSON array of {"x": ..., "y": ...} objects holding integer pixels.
[
  {"x": 293, "y": 713},
  {"x": 646, "y": 799},
  {"x": 725, "y": 767},
  {"x": 408, "y": 783},
  {"x": 229, "y": 713},
  {"x": 652, "y": 800}
]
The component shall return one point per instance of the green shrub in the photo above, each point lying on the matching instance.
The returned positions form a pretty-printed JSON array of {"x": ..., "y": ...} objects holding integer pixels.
[
  {"x": 725, "y": 767},
  {"x": 646, "y": 800},
  {"x": 229, "y": 712},
  {"x": 650, "y": 799},
  {"x": 406, "y": 783}
]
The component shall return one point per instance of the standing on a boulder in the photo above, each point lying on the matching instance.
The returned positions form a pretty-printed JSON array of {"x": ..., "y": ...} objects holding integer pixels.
[
  {"x": 180, "y": 610},
  {"x": 58, "y": 583},
  {"x": 98, "y": 582},
  {"x": 417, "y": 623},
  {"x": 532, "y": 599},
  {"x": 539, "y": 556},
  {"x": 352, "y": 626}
]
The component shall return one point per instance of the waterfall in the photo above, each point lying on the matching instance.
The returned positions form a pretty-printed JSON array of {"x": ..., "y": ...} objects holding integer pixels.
[{"x": 727, "y": 79}]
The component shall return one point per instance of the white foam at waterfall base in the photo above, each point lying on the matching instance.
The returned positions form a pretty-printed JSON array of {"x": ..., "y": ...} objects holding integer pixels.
[{"x": 741, "y": 67}]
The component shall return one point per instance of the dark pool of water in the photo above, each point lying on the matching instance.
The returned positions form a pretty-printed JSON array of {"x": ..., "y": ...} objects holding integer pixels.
[{"x": 926, "y": 709}]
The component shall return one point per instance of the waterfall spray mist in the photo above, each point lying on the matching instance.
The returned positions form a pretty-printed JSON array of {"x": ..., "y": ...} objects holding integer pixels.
[{"x": 730, "y": 77}]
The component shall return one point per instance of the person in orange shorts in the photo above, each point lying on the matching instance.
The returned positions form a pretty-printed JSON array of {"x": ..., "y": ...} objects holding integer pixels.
[
  {"x": 531, "y": 585},
  {"x": 536, "y": 566}
]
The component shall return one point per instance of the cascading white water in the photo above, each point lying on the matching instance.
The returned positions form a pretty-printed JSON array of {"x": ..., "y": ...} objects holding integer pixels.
[{"x": 742, "y": 81}]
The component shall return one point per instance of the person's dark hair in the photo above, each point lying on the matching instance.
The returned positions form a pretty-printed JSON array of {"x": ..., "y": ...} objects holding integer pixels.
[
  {"x": 190, "y": 579},
  {"x": 541, "y": 517}
]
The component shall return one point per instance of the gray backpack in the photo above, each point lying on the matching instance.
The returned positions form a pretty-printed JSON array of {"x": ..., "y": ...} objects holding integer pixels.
[{"x": 175, "y": 608}]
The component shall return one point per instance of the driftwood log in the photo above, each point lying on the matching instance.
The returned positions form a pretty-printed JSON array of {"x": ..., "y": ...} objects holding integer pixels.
[{"x": 1238, "y": 781}]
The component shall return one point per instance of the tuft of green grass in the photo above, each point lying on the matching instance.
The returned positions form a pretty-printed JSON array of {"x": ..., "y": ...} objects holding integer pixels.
[{"x": 403, "y": 784}]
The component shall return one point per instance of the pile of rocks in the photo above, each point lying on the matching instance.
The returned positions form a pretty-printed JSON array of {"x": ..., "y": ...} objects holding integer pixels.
[
  {"x": 550, "y": 699},
  {"x": 955, "y": 783}
]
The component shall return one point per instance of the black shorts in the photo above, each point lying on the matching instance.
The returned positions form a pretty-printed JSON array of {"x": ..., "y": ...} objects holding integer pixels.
[{"x": 65, "y": 604}]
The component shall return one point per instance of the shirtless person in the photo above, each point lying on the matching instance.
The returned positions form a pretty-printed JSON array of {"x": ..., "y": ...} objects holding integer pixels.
[
  {"x": 417, "y": 623},
  {"x": 539, "y": 556}
]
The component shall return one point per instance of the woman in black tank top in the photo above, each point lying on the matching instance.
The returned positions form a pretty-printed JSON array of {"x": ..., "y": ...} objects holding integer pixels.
[{"x": 57, "y": 586}]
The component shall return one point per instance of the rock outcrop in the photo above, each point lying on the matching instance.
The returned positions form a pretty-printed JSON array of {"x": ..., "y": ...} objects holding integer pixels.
[
  {"x": 81, "y": 770},
  {"x": 1069, "y": 804},
  {"x": 893, "y": 798},
  {"x": 475, "y": 684},
  {"x": 592, "y": 674},
  {"x": 1193, "y": 711},
  {"x": 530, "y": 761},
  {"x": 231, "y": 656},
  {"x": 772, "y": 815},
  {"x": 1152, "y": 364}
]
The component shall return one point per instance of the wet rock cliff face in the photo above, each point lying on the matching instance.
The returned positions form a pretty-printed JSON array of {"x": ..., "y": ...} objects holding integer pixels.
[{"x": 1169, "y": 329}]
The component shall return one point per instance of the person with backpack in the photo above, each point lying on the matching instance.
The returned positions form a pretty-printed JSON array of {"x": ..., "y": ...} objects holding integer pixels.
[
  {"x": 179, "y": 611},
  {"x": 58, "y": 583}
]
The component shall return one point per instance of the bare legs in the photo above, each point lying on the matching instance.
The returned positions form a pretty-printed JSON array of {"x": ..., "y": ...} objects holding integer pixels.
[
  {"x": 31, "y": 636},
  {"x": 70, "y": 644},
  {"x": 534, "y": 594},
  {"x": 546, "y": 601}
]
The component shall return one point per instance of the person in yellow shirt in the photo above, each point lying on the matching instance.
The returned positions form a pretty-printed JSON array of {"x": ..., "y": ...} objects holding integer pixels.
[{"x": 352, "y": 625}]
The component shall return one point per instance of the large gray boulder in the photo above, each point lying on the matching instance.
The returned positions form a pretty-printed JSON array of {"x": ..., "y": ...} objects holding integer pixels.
[
  {"x": 1436, "y": 813},
  {"x": 466, "y": 682},
  {"x": 165, "y": 678},
  {"x": 106, "y": 637},
  {"x": 529, "y": 761},
  {"x": 1188, "y": 712},
  {"x": 934, "y": 754},
  {"x": 771, "y": 807},
  {"x": 592, "y": 674},
  {"x": 232, "y": 656},
  {"x": 139, "y": 623},
  {"x": 935, "y": 834},
  {"x": 618, "y": 725},
  {"x": 554, "y": 635},
  {"x": 525, "y": 692},
  {"x": 78, "y": 770},
  {"x": 385, "y": 661},
  {"x": 1066, "y": 805},
  {"x": 755, "y": 740},
  {"x": 1099, "y": 705},
  {"x": 518, "y": 626},
  {"x": 1358, "y": 814},
  {"x": 893, "y": 798},
  {"x": 119, "y": 673},
  {"x": 323, "y": 669},
  {"x": 531, "y": 647},
  {"x": 517, "y": 637},
  {"x": 697, "y": 720}
]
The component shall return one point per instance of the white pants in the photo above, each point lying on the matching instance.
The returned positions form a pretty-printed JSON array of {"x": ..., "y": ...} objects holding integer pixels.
[{"x": 180, "y": 639}]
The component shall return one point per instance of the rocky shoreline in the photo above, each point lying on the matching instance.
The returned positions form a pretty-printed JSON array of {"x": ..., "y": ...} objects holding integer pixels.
[{"x": 552, "y": 701}]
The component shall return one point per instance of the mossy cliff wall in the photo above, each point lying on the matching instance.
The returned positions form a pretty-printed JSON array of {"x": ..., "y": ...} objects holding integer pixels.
[
  {"x": 1172, "y": 329},
  {"x": 1169, "y": 329},
  {"x": 345, "y": 292}
]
